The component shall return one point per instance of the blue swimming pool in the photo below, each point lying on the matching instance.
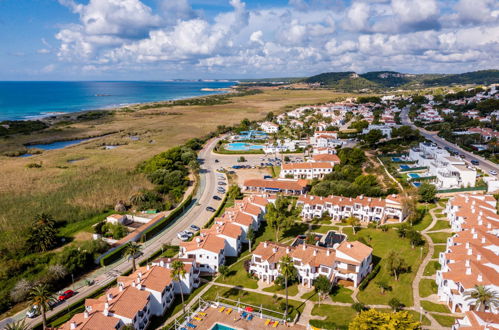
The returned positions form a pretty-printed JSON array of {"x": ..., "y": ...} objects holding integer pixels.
[
  {"x": 416, "y": 184},
  {"x": 396, "y": 159},
  {"x": 219, "y": 326},
  {"x": 251, "y": 135},
  {"x": 241, "y": 146},
  {"x": 404, "y": 167},
  {"x": 414, "y": 175}
]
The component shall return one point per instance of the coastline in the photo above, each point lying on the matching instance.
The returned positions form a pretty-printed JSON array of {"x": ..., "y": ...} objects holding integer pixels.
[{"x": 51, "y": 117}]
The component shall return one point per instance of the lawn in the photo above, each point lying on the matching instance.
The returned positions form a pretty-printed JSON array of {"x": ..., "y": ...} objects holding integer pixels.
[
  {"x": 425, "y": 222},
  {"x": 437, "y": 250},
  {"x": 238, "y": 276},
  {"x": 431, "y": 268},
  {"x": 427, "y": 287},
  {"x": 432, "y": 307},
  {"x": 341, "y": 294},
  {"x": 439, "y": 237},
  {"x": 440, "y": 224},
  {"x": 323, "y": 229},
  {"x": 336, "y": 316},
  {"x": 444, "y": 320},
  {"x": 383, "y": 243},
  {"x": 440, "y": 215},
  {"x": 255, "y": 299},
  {"x": 311, "y": 295},
  {"x": 292, "y": 290}
]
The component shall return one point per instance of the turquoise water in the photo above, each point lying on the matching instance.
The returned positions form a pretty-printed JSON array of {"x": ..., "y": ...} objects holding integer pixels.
[
  {"x": 21, "y": 100},
  {"x": 414, "y": 175},
  {"x": 251, "y": 135},
  {"x": 416, "y": 184},
  {"x": 241, "y": 146},
  {"x": 404, "y": 167},
  {"x": 396, "y": 159},
  {"x": 219, "y": 326},
  {"x": 56, "y": 145}
]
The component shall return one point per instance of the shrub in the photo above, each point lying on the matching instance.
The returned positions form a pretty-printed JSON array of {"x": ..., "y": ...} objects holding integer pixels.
[{"x": 369, "y": 277}]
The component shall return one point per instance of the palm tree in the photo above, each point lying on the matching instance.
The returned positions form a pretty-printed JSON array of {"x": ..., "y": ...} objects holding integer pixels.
[
  {"x": 286, "y": 269},
  {"x": 131, "y": 251},
  {"x": 178, "y": 273},
  {"x": 17, "y": 325},
  {"x": 250, "y": 236},
  {"x": 482, "y": 297},
  {"x": 41, "y": 297},
  {"x": 43, "y": 233}
]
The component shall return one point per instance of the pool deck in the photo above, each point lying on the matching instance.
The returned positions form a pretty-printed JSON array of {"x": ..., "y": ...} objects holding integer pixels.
[{"x": 234, "y": 320}]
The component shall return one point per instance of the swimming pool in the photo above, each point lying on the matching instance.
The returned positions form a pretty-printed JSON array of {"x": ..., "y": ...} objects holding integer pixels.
[
  {"x": 396, "y": 159},
  {"x": 404, "y": 167},
  {"x": 219, "y": 326},
  {"x": 414, "y": 175},
  {"x": 251, "y": 135},
  {"x": 416, "y": 184},
  {"x": 241, "y": 146}
]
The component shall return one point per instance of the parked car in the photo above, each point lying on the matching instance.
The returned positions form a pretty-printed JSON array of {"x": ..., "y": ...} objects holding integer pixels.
[
  {"x": 216, "y": 160},
  {"x": 195, "y": 228},
  {"x": 33, "y": 312},
  {"x": 475, "y": 162},
  {"x": 493, "y": 172},
  {"x": 66, "y": 295},
  {"x": 221, "y": 190},
  {"x": 221, "y": 183},
  {"x": 217, "y": 198},
  {"x": 211, "y": 209},
  {"x": 188, "y": 233},
  {"x": 184, "y": 238}
]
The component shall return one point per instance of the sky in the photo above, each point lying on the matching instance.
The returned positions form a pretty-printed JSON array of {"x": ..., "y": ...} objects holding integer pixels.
[{"x": 230, "y": 39}]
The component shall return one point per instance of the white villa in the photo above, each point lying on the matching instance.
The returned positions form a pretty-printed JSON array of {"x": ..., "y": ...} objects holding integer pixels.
[{"x": 306, "y": 170}]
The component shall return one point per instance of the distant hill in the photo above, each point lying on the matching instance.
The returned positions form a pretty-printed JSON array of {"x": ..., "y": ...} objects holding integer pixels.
[{"x": 379, "y": 80}]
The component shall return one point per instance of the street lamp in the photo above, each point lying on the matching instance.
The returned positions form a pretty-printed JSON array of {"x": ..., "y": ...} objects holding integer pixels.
[
  {"x": 421, "y": 252},
  {"x": 73, "y": 280},
  {"x": 421, "y": 315}
]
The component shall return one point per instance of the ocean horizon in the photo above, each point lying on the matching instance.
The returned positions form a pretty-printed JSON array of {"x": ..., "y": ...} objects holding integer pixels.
[{"x": 30, "y": 100}]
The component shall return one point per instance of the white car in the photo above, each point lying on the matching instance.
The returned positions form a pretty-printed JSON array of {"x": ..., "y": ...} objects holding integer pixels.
[
  {"x": 182, "y": 236},
  {"x": 33, "y": 312},
  {"x": 493, "y": 172}
]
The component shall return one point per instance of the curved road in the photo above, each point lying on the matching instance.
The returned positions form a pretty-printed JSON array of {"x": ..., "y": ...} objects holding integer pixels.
[
  {"x": 195, "y": 214},
  {"x": 485, "y": 165}
]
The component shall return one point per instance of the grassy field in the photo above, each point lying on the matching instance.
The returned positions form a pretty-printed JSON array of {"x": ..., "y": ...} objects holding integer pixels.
[
  {"x": 432, "y": 307},
  {"x": 437, "y": 250},
  {"x": 439, "y": 237},
  {"x": 383, "y": 243},
  {"x": 444, "y": 320},
  {"x": 427, "y": 287},
  {"x": 292, "y": 289},
  {"x": 431, "y": 268},
  {"x": 441, "y": 224}
]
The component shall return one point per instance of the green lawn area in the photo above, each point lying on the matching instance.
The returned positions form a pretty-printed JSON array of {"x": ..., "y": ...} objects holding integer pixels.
[
  {"x": 443, "y": 320},
  {"x": 441, "y": 224},
  {"x": 292, "y": 290},
  {"x": 341, "y": 294},
  {"x": 324, "y": 229},
  {"x": 439, "y": 237},
  {"x": 255, "y": 299},
  {"x": 437, "y": 250},
  {"x": 311, "y": 295},
  {"x": 425, "y": 222},
  {"x": 383, "y": 243},
  {"x": 431, "y": 268},
  {"x": 432, "y": 307},
  {"x": 427, "y": 287},
  {"x": 337, "y": 317},
  {"x": 238, "y": 277},
  {"x": 440, "y": 215}
]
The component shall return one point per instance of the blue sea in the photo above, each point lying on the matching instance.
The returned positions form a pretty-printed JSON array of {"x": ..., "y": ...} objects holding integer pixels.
[{"x": 35, "y": 99}]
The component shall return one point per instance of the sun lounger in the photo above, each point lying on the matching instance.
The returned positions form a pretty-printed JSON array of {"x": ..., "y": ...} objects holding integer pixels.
[
  {"x": 244, "y": 314},
  {"x": 190, "y": 325},
  {"x": 183, "y": 328},
  {"x": 267, "y": 322},
  {"x": 202, "y": 313},
  {"x": 221, "y": 309},
  {"x": 276, "y": 323},
  {"x": 197, "y": 318},
  {"x": 250, "y": 317},
  {"x": 228, "y": 311}
]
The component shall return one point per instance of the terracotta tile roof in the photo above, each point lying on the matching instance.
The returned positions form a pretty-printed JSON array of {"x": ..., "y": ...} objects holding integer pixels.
[
  {"x": 156, "y": 278},
  {"x": 326, "y": 158},
  {"x": 296, "y": 185},
  {"x": 236, "y": 216},
  {"x": 246, "y": 207},
  {"x": 349, "y": 201},
  {"x": 209, "y": 242},
  {"x": 467, "y": 273},
  {"x": 304, "y": 166},
  {"x": 257, "y": 200},
  {"x": 95, "y": 320},
  {"x": 225, "y": 228},
  {"x": 355, "y": 250}
]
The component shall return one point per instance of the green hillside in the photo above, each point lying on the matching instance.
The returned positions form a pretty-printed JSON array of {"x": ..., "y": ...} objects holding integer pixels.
[
  {"x": 388, "y": 78},
  {"x": 475, "y": 77}
]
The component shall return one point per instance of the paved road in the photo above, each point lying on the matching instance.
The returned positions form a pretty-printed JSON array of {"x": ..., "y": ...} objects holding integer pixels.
[
  {"x": 195, "y": 214},
  {"x": 485, "y": 165}
]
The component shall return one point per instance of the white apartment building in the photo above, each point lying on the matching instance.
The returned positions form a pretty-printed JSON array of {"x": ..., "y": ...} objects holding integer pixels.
[
  {"x": 477, "y": 321},
  {"x": 472, "y": 254},
  {"x": 191, "y": 279},
  {"x": 306, "y": 170},
  {"x": 449, "y": 171},
  {"x": 269, "y": 127},
  {"x": 208, "y": 251},
  {"x": 366, "y": 209},
  {"x": 349, "y": 261},
  {"x": 325, "y": 139},
  {"x": 386, "y": 130}
]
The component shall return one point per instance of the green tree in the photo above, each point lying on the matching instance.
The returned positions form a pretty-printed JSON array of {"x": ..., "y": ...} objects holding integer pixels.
[
  {"x": 395, "y": 264},
  {"x": 358, "y": 307},
  {"x": 17, "y": 325},
  {"x": 373, "y": 137},
  {"x": 234, "y": 192},
  {"x": 373, "y": 319},
  {"x": 322, "y": 286},
  {"x": 287, "y": 270},
  {"x": 43, "y": 234},
  {"x": 250, "y": 236},
  {"x": 223, "y": 270},
  {"x": 42, "y": 298},
  {"x": 280, "y": 216},
  {"x": 354, "y": 222},
  {"x": 427, "y": 193},
  {"x": 132, "y": 251},
  {"x": 383, "y": 285},
  {"x": 415, "y": 238},
  {"x": 395, "y": 304},
  {"x": 178, "y": 273},
  {"x": 482, "y": 297}
]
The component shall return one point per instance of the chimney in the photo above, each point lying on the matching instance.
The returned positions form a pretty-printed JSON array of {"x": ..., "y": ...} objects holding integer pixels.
[
  {"x": 473, "y": 230},
  {"x": 349, "y": 245},
  {"x": 467, "y": 262},
  {"x": 470, "y": 252},
  {"x": 139, "y": 286},
  {"x": 479, "y": 278},
  {"x": 162, "y": 263},
  {"x": 328, "y": 252},
  {"x": 120, "y": 286},
  {"x": 475, "y": 236},
  {"x": 288, "y": 250},
  {"x": 139, "y": 274},
  {"x": 467, "y": 245},
  {"x": 265, "y": 244},
  {"x": 315, "y": 252},
  {"x": 106, "y": 306},
  {"x": 478, "y": 257},
  {"x": 274, "y": 249},
  {"x": 483, "y": 240},
  {"x": 85, "y": 314},
  {"x": 109, "y": 296},
  {"x": 148, "y": 267},
  {"x": 133, "y": 284},
  {"x": 304, "y": 246},
  {"x": 468, "y": 271},
  {"x": 73, "y": 325}
]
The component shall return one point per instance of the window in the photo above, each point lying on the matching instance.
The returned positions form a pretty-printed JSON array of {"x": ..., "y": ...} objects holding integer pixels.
[{"x": 258, "y": 259}]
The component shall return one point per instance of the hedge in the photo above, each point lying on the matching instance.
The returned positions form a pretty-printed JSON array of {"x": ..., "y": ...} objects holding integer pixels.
[
  {"x": 113, "y": 256},
  {"x": 369, "y": 277},
  {"x": 414, "y": 169},
  {"x": 326, "y": 325},
  {"x": 461, "y": 189},
  {"x": 217, "y": 213}
]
